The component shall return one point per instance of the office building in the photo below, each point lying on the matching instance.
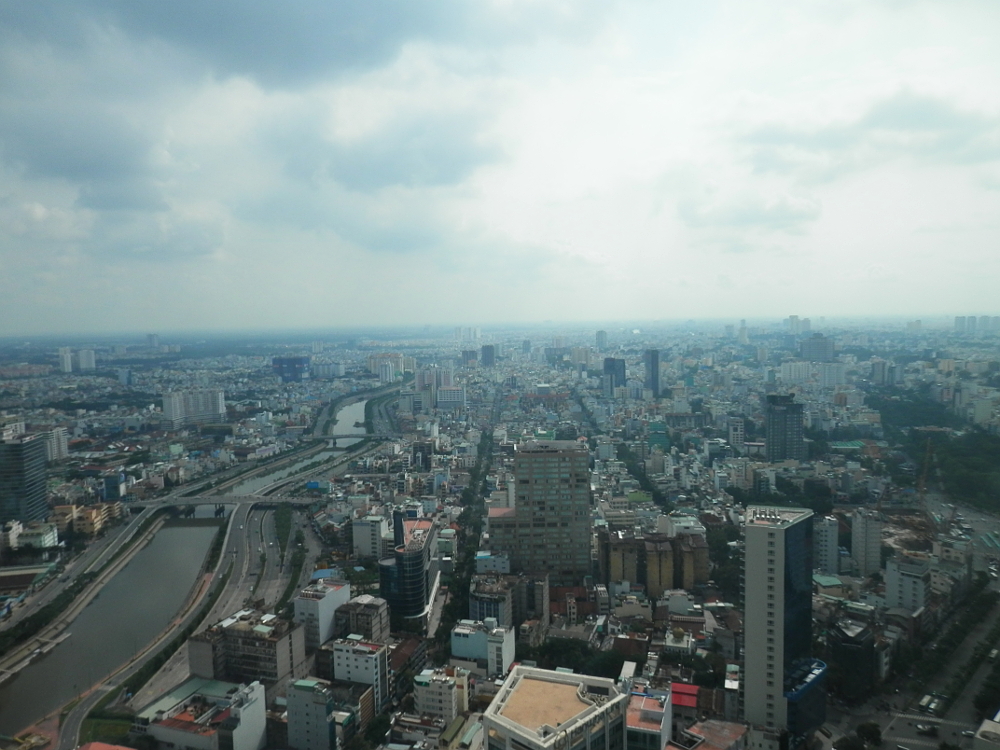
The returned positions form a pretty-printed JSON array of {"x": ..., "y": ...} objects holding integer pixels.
[
  {"x": 405, "y": 577},
  {"x": 315, "y": 607},
  {"x": 358, "y": 660},
  {"x": 249, "y": 646},
  {"x": 651, "y": 360},
  {"x": 488, "y": 355},
  {"x": 784, "y": 687},
  {"x": 817, "y": 348},
  {"x": 866, "y": 541},
  {"x": 616, "y": 369},
  {"x": 441, "y": 693},
  {"x": 87, "y": 360},
  {"x": 602, "y": 340},
  {"x": 368, "y": 533},
  {"x": 548, "y": 530},
  {"x": 737, "y": 434},
  {"x": 181, "y": 408},
  {"x": 291, "y": 369},
  {"x": 22, "y": 479},
  {"x": 826, "y": 549},
  {"x": 56, "y": 444},
  {"x": 783, "y": 437},
  {"x": 539, "y": 709},
  {"x": 311, "y": 722},
  {"x": 206, "y": 715},
  {"x": 364, "y": 615}
]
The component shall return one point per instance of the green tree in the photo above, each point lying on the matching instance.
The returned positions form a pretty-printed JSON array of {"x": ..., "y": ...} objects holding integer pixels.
[{"x": 870, "y": 733}]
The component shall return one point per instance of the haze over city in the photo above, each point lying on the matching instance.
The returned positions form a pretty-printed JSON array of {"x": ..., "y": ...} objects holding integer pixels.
[{"x": 191, "y": 166}]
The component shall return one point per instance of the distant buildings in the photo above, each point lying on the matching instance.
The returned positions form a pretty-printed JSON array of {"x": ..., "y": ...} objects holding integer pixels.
[
  {"x": 22, "y": 479},
  {"x": 651, "y": 360},
  {"x": 291, "y": 369}
]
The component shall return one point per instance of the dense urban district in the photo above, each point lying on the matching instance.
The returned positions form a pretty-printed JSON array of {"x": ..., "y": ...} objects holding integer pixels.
[{"x": 710, "y": 535}]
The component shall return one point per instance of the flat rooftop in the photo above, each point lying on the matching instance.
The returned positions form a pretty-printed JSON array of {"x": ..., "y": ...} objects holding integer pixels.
[{"x": 535, "y": 703}]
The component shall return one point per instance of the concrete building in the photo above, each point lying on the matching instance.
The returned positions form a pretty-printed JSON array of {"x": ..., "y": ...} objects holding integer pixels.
[
  {"x": 826, "y": 549},
  {"x": 907, "y": 583},
  {"x": 651, "y": 360},
  {"x": 364, "y": 615},
  {"x": 487, "y": 644},
  {"x": 315, "y": 607},
  {"x": 491, "y": 597},
  {"x": 249, "y": 646},
  {"x": 539, "y": 709},
  {"x": 56, "y": 444},
  {"x": 311, "y": 724},
  {"x": 65, "y": 359},
  {"x": 182, "y": 408},
  {"x": 442, "y": 693},
  {"x": 549, "y": 529},
  {"x": 866, "y": 541},
  {"x": 784, "y": 696},
  {"x": 22, "y": 479},
  {"x": 87, "y": 360},
  {"x": 202, "y": 714},
  {"x": 357, "y": 660},
  {"x": 368, "y": 533}
]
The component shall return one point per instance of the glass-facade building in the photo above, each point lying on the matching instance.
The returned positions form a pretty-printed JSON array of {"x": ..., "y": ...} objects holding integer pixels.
[{"x": 22, "y": 479}]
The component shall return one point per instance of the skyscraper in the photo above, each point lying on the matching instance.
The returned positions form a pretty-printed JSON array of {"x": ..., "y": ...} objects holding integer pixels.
[
  {"x": 65, "y": 359},
  {"x": 826, "y": 552},
  {"x": 784, "y": 687},
  {"x": 548, "y": 530},
  {"x": 783, "y": 429},
  {"x": 652, "y": 361},
  {"x": 817, "y": 348},
  {"x": 602, "y": 340},
  {"x": 488, "y": 355},
  {"x": 87, "y": 359},
  {"x": 22, "y": 479},
  {"x": 616, "y": 369}
]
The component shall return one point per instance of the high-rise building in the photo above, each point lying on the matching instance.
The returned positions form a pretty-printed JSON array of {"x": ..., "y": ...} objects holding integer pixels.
[
  {"x": 602, "y": 340},
  {"x": 866, "y": 541},
  {"x": 22, "y": 479},
  {"x": 549, "y": 529},
  {"x": 315, "y": 607},
  {"x": 153, "y": 340},
  {"x": 291, "y": 369},
  {"x": 907, "y": 582},
  {"x": 651, "y": 359},
  {"x": 959, "y": 324},
  {"x": 737, "y": 434},
  {"x": 358, "y": 660},
  {"x": 539, "y": 709},
  {"x": 65, "y": 359},
  {"x": 87, "y": 359},
  {"x": 364, "y": 615},
  {"x": 783, "y": 438},
  {"x": 526, "y": 347},
  {"x": 616, "y": 369},
  {"x": 56, "y": 444},
  {"x": 194, "y": 407},
  {"x": 817, "y": 348},
  {"x": 826, "y": 550},
  {"x": 311, "y": 709},
  {"x": 405, "y": 577},
  {"x": 784, "y": 687},
  {"x": 488, "y": 355}
]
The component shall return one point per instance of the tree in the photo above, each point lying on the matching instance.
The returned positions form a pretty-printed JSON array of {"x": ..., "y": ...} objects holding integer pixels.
[
  {"x": 849, "y": 742},
  {"x": 870, "y": 733}
]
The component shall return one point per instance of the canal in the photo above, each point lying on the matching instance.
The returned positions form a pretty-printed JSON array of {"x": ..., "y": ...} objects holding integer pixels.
[
  {"x": 131, "y": 610},
  {"x": 347, "y": 417}
]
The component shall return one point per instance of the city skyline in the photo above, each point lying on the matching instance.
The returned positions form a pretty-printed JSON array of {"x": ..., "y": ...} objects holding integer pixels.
[{"x": 245, "y": 167}]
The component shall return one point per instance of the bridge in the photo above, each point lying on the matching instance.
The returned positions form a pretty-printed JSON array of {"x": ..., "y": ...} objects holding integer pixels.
[
  {"x": 179, "y": 501},
  {"x": 356, "y": 437}
]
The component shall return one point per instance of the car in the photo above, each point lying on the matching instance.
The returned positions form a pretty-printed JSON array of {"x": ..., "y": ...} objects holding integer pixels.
[
  {"x": 968, "y": 732},
  {"x": 930, "y": 730}
]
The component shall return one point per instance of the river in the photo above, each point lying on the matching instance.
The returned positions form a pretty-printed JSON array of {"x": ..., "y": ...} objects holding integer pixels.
[
  {"x": 347, "y": 416},
  {"x": 131, "y": 610}
]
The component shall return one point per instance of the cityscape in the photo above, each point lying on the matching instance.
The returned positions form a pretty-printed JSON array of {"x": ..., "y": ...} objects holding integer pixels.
[
  {"x": 503, "y": 375},
  {"x": 721, "y": 535}
]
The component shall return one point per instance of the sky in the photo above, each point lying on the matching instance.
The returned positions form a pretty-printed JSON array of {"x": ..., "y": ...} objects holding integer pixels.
[{"x": 193, "y": 165}]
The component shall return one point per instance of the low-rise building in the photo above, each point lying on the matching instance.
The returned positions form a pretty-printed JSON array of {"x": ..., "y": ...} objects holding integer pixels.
[
  {"x": 441, "y": 693},
  {"x": 315, "y": 609}
]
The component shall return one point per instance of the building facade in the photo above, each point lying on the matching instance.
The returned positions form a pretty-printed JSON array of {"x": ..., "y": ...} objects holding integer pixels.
[
  {"x": 315, "y": 607},
  {"x": 22, "y": 479},
  {"x": 783, "y": 436},
  {"x": 866, "y": 541},
  {"x": 364, "y": 615}
]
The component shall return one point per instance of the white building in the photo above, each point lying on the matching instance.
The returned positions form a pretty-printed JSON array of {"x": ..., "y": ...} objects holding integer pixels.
[
  {"x": 675, "y": 524},
  {"x": 87, "y": 359},
  {"x": 65, "y": 359},
  {"x": 866, "y": 541},
  {"x": 368, "y": 534},
  {"x": 538, "y": 709},
  {"x": 315, "y": 607},
  {"x": 194, "y": 407},
  {"x": 356, "y": 660},
  {"x": 443, "y": 693},
  {"x": 310, "y": 721},
  {"x": 485, "y": 643},
  {"x": 826, "y": 550},
  {"x": 907, "y": 583},
  {"x": 205, "y": 714},
  {"x": 56, "y": 444}
]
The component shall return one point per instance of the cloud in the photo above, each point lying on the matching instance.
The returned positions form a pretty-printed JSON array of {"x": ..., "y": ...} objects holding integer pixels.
[
  {"x": 784, "y": 213},
  {"x": 903, "y": 125}
]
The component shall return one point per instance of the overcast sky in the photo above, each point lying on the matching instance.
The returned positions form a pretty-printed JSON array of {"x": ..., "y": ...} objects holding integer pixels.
[{"x": 240, "y": 163}]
